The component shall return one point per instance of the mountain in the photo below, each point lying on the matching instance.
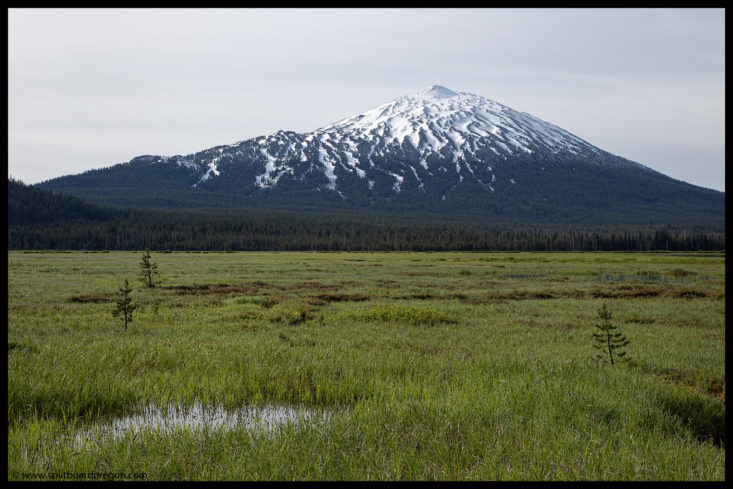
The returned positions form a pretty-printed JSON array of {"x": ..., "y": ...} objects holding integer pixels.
[
  {"x": 438, "y": 151},
  {"x": 28, "y": 205}
]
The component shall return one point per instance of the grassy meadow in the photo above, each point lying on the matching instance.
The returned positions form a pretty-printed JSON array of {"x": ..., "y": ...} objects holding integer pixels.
[{"x": 458, "y": 366}]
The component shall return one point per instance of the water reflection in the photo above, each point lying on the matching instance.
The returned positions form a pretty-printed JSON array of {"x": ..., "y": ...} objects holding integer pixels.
[{"x": 198, "y": 416}]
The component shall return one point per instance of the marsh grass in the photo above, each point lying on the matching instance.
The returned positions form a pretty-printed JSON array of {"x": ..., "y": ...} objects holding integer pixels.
[{"x": 434, "y": 375}]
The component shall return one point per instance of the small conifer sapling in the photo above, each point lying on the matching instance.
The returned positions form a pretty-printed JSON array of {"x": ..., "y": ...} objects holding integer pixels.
[
  {"x": 124, "y": 307},
  {"x": 608, "y": 339},
  {"x": 148, "y": 270}
]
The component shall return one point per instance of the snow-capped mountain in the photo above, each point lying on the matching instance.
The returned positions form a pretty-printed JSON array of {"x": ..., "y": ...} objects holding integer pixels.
[
  {"x": 441, "y": 121},
  {"x": 434, "y": 150},
  {"x": 441, "y": 129}
]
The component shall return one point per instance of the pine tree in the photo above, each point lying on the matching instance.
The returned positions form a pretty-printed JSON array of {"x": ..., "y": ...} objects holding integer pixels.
[
  {"x": 147, "y": 270},
  {"x": 608, "y": 339},
  {"x": 125, "y": 307}
]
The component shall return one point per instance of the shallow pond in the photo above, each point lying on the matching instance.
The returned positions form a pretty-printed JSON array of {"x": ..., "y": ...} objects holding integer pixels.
[{"x": 198, "y": 416}]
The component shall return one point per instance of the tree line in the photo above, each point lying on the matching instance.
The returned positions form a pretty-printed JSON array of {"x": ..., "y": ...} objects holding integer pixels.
[
  {"x": 38, "y": 219},
  {"x": 195, "y": 232}
]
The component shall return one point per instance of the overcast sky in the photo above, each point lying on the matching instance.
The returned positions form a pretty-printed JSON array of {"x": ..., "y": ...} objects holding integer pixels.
[{"x": 91, "y": 88}]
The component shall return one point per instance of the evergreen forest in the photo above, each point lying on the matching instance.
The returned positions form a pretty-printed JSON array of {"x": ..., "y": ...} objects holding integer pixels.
[{"x": 43, "y": 220}]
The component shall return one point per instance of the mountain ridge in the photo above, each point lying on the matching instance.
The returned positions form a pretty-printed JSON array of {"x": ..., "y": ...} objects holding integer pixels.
[{"x": 438, "y": 150}]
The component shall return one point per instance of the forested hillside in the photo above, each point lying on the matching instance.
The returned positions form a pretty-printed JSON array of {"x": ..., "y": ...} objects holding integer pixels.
[{"x": 38, "y": 219}]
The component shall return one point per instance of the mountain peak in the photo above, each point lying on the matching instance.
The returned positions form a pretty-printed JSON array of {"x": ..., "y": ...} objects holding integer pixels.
[
  {"x": 436, "y": 150},
  {"x": 438, "y": 91},
  {"x": 439, "y": 122}
]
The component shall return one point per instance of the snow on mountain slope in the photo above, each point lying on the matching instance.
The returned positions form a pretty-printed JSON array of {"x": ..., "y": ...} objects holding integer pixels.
[
  {"x": 438, "y": 117},
  {"x": 439, "y": 129}
]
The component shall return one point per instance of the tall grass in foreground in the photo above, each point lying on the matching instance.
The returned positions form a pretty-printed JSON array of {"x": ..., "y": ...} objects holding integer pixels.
[{"x": 427, "y": 372}]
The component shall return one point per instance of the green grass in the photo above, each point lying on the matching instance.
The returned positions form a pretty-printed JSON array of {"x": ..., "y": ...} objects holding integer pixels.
[{"x": 451, "y": 366}]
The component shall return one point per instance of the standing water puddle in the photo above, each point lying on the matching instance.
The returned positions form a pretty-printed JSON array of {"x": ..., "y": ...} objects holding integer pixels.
[{"x": 153, "y": 418}]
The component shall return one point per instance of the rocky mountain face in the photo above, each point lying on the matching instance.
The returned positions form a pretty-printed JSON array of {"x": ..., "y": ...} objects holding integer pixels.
[{"x": 435, "y": 151}]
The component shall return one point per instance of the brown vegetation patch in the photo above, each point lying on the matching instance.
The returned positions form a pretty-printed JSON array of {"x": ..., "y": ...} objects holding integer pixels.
[
  {"x": 343, "y": 297},
  {"x": 713, "y": 385},
  {"x": 492, "y": 297},
  {"x": 573, "y": 294},
  {"x": 521, "y": 295},
  {"x": 715, "y": 336},
  {"x": 643, "y": 291},
  {"x": 573, "y": 326},
  {"x": 638, "y": 291},
  {"x": 474, "y": 300},
  {"x": 686, "y": 293},
  {"x": 207, "y": 289},
  {"x": 312, "y": 286},
  {"x": 388, "y": 284},
  {"x": 533, "y": 324},
  {"x": 264, "y": 285},
  {"x": 91, "y": 298},
  {"x": 249, "y": 288},
  {"x": 633, "y": 292},
  {"x": 625, "y": 292},
  {"x": 619, "y": 292},
  {"x": 183, "y": 289},
  {"x": 636, "y": 320},
  {"x": 679, "y": 272},
  {"x": 222, "y": 289},
  {"x": 603, "y": 294},
  {"x": 422, "y": 296}
]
